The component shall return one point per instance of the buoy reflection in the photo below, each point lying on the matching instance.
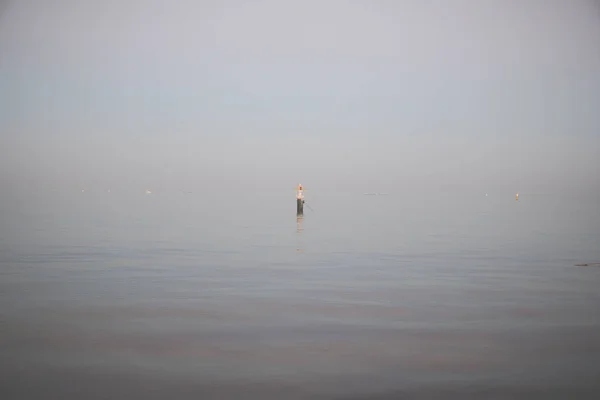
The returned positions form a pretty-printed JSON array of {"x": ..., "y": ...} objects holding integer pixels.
[{"x": 299, "y": 229}]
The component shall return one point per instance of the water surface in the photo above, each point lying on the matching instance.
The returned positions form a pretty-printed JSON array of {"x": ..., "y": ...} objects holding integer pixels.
[{"x": 172, "y": 295}]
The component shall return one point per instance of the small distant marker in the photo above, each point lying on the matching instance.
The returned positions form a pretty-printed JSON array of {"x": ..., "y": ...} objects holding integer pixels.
[{"x": 300, "y": 200}]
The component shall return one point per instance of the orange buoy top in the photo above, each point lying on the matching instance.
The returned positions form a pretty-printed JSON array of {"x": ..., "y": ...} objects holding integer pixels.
[{"x": 300, "y": 194}]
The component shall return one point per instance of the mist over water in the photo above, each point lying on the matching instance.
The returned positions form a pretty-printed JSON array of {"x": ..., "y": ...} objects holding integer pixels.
[
  {"x": 172, "y": 294},
  {"x": 260, "y": 96},
  {"x": 211, "y": 287}
]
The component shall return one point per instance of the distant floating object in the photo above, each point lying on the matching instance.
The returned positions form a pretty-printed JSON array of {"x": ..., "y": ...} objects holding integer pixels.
[
  {"x": 148, "y": 192},
  {"x": 517, "y": 196},
  {"x": 82, "y": 190},
  {"x": 369, "y": 194},
  {"x": 595, "y": 264},
  {"x": 486, "y": 195},
  {"x": 299, "y": 200}
]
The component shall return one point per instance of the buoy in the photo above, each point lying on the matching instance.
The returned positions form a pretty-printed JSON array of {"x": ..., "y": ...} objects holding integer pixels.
[
  {"x": 517, "y": 197},
  {"x": 300, "y": 200}
]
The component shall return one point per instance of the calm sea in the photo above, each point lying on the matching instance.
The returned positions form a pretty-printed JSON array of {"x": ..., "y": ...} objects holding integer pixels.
[{"x": 172, "y": 296}]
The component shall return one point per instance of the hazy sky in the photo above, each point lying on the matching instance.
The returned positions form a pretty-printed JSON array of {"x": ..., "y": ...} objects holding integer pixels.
[{"x": 388, "y": 94}]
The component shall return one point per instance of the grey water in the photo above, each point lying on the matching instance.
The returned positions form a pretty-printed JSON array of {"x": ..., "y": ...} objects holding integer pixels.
[{"x": 218, "y": 296}]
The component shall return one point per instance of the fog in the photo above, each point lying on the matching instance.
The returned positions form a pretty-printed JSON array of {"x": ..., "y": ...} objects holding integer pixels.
[{"x": 217, "y": 95}]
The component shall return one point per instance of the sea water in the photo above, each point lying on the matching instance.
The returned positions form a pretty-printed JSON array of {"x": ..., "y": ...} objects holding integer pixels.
[{"x": 190, "y": 295}]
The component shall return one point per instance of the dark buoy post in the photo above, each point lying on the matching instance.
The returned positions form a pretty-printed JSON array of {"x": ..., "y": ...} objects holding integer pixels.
[{"x": 300, "y": 200}]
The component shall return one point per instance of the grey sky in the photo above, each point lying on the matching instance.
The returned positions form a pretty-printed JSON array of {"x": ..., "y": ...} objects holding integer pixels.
[{"x": 390, "y": 95}]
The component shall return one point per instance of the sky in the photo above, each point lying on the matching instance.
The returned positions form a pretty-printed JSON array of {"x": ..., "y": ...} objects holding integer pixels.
[{"x": 377, "y": 95}]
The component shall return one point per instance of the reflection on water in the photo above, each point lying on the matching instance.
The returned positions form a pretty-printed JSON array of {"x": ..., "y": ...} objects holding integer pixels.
[{"x": 299, "y": 229}]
